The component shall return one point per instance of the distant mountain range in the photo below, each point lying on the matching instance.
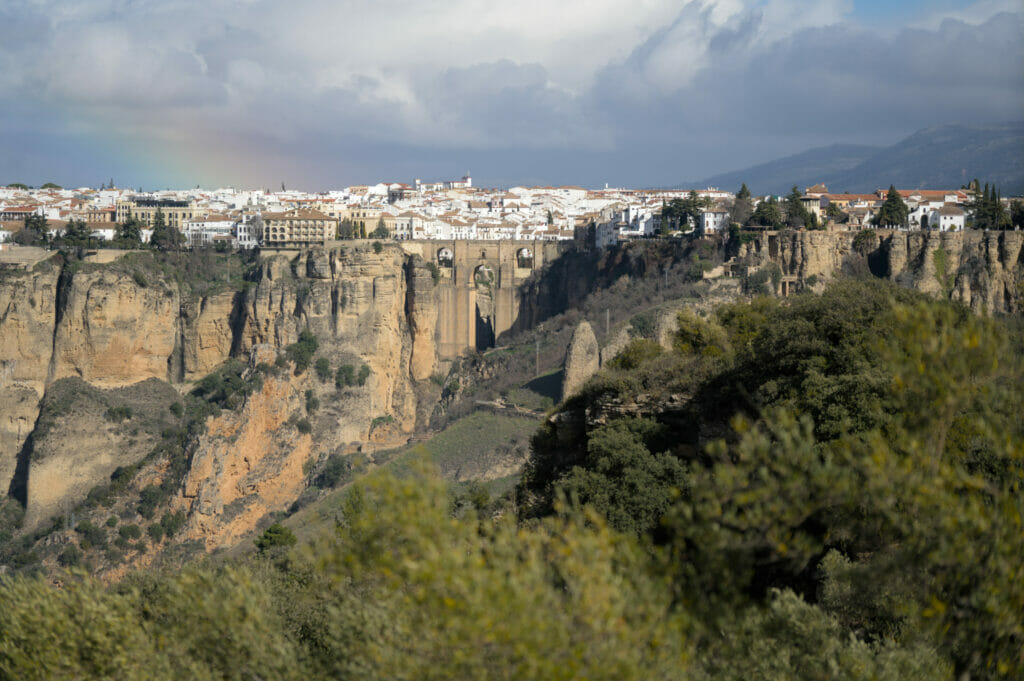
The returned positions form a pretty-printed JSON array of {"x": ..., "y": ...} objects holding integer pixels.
[{"x": 938, "y": 158}]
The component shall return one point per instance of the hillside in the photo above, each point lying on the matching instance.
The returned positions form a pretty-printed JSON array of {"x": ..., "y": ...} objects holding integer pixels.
[
  {"x": 825, "y": 488},
  {"x": 947, "y": 156},
  {"x": 805, "y": 169}
]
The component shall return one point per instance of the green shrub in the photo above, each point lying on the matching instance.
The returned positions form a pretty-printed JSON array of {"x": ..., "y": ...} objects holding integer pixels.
[
  {"x": 274, "y": 536},
  {"x": 118, "y": 414},
  {"x": 113, "y": 555},
  {"x": 381, "y": 421},
  {"x": 95, "y": 536},
  {"x": 364, "y": 373},
  {"x": 155, "y": 532},
  {"x": 130, "y": 531},
  {"x": 301, "y": 352},
  {"x": 149, "y": 497},
  {"x": 345, "y": 377},
  {"x": 435, "y": 272},
  {"x": 865, "y": 241},
  {"x": 336, "y": 469},
  {"x": 172, "y": 523},
  {"x": 643, "y": 325},
  {"x": 70, "y": 556},
  {"x": 312, "y": 403},
  {"x": 177, "y": 409},
  {"x": 636, "y": 353},
  {"x": 112, "y": 521},
  {"x": 223, "y": 389},
  {"x": 323, "y": 369},
  {"x": 377, "y": 247},
  {"x": 304, "y": 426}
]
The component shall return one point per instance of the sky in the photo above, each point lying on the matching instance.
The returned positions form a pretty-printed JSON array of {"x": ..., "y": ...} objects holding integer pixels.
[{"x": 320, "y": 94}]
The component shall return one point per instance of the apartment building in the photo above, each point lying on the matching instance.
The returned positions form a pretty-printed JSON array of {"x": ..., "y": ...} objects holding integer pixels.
[
  {"x": 298, "y": 228},
  {"x": 176, "y": 212}
]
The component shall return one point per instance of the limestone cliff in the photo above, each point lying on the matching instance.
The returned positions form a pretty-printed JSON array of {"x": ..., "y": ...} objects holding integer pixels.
[
  {"x": 246, "y": 465},
  {"x": 28, "y": 312},
  {"x": 982, "y": 269},
  {"x": 112, "y": 327},
  {"x": 113, "y": 332}
]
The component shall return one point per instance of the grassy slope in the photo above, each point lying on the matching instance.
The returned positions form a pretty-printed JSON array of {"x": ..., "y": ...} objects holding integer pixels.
[{"x": 471, "y": 439}]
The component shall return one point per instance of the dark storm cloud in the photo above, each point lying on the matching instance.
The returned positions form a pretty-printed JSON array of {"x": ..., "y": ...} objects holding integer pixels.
[{"x": 334, "y": 93}]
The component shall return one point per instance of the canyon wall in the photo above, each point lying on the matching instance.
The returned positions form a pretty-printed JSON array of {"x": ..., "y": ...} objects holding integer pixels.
[
  {"x": 981, "y": 269},
  {"x": 112, "y": 328}
]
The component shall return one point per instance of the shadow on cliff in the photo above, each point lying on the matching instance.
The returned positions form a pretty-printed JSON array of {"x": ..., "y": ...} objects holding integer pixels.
[{"x": 655, "y": 269}]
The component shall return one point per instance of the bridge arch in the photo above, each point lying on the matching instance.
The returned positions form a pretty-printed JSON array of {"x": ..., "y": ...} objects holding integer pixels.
[
  {"x": 524, "y": 258},
  {"x": 445, "y": 257},
  {"x": 484, "y": 275}
]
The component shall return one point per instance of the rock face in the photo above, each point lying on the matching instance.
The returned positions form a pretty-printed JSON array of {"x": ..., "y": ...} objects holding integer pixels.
[
  {"x": 113, "y": 330},
  {"x": 364, "y": 309},
  {"x": 984, "y": 270},
  {"x": 206, "y": 333},
  {"x": 616, "y": 345},
  {"x": 666, "y": 327},
  {"x": 246, "y": 465},
  {"x": 582, "y": 359},
  {"x": 28, "y": 311},
  {"x": 77, "y": 446}
]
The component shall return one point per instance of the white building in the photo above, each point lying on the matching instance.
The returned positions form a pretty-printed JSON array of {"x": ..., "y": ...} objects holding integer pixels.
[
  {"x": 949, "y": 218},
  {"x": 207, "y": 230},
  {"x": 248, "y": 231},
  {"x": 715, "y": 220},
  {"x": 104, "y": 233}
]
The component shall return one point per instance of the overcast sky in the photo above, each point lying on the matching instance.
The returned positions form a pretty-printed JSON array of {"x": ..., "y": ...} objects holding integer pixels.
[{"x": 327, "y": 93}]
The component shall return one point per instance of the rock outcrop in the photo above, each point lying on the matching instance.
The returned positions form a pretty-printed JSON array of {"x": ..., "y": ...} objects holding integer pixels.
[
  {"x": 582, "y": 359},
  {"x": 617, "y": 344},
  {"x": 28, "y": 312},
  {"x": 113, "y": 332},
  {"x": 246, "y": 465},
  {"x": 982, "y": 269},
  {"x": 77, "y": 443},
  {"x": 113, "y": 328}
]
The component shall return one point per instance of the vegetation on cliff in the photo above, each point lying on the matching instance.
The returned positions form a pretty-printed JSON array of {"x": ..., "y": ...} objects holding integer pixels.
[
  {"x": 823, "y": 488},
  {"x": 855, "y": 456}
]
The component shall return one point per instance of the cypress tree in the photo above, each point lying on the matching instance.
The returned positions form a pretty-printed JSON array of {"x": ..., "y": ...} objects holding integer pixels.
[{"x": 893, "y": 212}]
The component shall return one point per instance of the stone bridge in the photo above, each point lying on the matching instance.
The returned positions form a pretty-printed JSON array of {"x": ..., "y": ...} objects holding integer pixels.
[{"x": 478, "y": 298}]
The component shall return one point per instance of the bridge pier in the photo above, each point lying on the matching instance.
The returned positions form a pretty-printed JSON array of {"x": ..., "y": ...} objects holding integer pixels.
[{"x": 490, "y": 300}]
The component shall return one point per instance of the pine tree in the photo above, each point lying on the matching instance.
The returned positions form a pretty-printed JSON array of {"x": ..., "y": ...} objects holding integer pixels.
[
  {"x": 76, "y": 233},
  {"x": 165, "y": 237},
  {"x": 796, "y": 214},
  {"x": 893, "y": 212},
  {"x": 130, "y": 232},
  {"x": 768, "y": 213},
  {"x": 742, "y": 207}
]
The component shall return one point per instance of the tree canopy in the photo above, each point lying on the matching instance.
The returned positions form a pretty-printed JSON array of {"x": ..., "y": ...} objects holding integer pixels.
[
  {"x": 858, "y": 450},
  {"x": 165, "y": 237},
  {"x": 767, "y": 213},
  {"x": 894, "y": 211},
  {"x": 826, "y": 487},
  {"x": 987, "y": 210}
]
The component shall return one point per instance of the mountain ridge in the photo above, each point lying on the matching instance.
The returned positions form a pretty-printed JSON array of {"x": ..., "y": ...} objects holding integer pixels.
[{"x": 945, "y": 156}]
